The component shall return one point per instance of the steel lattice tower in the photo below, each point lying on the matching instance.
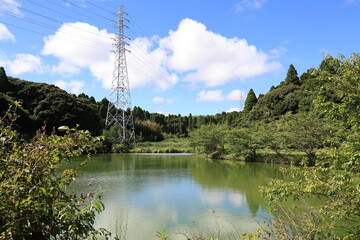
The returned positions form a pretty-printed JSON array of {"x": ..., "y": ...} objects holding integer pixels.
[{"x": 119, "y": 110}]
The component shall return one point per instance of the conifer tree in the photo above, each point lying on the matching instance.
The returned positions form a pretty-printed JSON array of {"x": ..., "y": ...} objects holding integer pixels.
[
  {"x": 250, "y": 101},
  {"x": 292, "y": 76},
  {"x": 4, "y": 82}
]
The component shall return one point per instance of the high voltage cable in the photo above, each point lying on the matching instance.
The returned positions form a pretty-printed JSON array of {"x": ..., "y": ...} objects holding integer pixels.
[
  {"x": 87, "y": 10},
  {"x": 159, "y": 74},
  {"x": 141, "y": 30},
  {"x": 98, "y": 6},
  {"x": 54, "y": 28},
  {"x": 42, "y": 34},
  {"x": 79, "y": 13},
  {"x": 52, "y": 19},
  {"x": 22, "y": 28},
  {"x": 40, "y": 5}
]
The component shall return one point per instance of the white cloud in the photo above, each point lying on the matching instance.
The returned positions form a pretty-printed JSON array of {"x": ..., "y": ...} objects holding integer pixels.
[
  {"x": 212, "y": 59},
  {"x": 210, "y": 96},
  {"x": 148, "y": 67},
  {"x": 158, "y": 100},
  {"x": 236, "y": 95},
  {"x": 277, "y": 52},
  {"x": 22, "y": 63},
  {"x": 74, "y": 87},
  {"x": 234, "y": 109},
  {"x": 77, "y": 49},
  {"x": 5, "y": 34},
  {"x": 11, "y": 6},
  {"x": 25, "y": 63},
  {"x": 218, "y": 96},
  {"x": 81, "y": 45},
  {"x": 191, "y": 51},
  {"x": 249, "y": 4}
]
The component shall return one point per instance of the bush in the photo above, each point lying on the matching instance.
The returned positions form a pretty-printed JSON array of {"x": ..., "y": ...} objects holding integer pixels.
[
  {"x": 34, "y": 200},
  {"x": 102, "y": 146},
  {"x": 122, "y": 147}
]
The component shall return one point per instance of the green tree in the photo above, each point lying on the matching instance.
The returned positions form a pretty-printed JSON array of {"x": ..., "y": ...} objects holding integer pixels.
[
  {"x": 250, "y": 101},
  {"x": 243, "y": 142},
  {"x": 4, "y": 82},
  {"x": 292, "y": 76},
  {"x": 35, "y": 202},
  {"x": 272, "y": 136},
  {"x": 209, "y": 139},
  {"x": 307, "y": 133},
  {"x": 276, "y": 103},
  {"x": 148, "y": 131}
]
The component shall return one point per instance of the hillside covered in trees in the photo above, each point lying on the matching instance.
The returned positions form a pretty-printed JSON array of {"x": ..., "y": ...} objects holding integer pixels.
[{"x": 44, "y": 104}]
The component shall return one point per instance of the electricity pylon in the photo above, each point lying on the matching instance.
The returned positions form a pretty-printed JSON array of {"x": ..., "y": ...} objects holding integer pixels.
[{"x": 119, "y": 110}]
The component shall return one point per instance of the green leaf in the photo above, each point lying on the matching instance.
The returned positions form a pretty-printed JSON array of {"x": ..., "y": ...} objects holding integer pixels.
[{"x": 64, "y": 128}]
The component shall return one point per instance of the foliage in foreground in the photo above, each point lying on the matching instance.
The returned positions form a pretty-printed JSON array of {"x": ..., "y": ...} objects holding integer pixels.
[
  {"x": 34, "y": 200},
  {"x": 335, "y": 178}
]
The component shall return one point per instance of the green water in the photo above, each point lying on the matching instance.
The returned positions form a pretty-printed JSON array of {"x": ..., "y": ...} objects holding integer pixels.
[{"x": 145, "y": 193}]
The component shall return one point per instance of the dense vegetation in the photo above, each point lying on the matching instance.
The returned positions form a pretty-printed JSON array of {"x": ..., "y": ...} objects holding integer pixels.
[
  {"x": 35, "y": 203},
  {"x": 311, "y": 120}
]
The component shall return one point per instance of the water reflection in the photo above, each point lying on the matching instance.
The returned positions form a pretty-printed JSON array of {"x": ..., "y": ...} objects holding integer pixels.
[{"x": 181, "y": 193}]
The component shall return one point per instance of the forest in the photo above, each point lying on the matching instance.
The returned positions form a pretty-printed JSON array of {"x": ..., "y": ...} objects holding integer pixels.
[{"x": 311, "y": 121}]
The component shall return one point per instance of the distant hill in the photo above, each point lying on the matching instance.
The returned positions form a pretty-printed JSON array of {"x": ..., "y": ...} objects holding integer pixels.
[{"x": 47, "y": 105}]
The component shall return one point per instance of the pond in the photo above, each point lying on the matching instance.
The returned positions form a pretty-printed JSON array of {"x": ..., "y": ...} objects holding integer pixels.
[{"x": 182, "y": 193}]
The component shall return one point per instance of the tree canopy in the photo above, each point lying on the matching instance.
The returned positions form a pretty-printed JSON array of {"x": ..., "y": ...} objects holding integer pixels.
[
  {"x": 250, "y": 101},
  {"x": 292, "y": 76}
]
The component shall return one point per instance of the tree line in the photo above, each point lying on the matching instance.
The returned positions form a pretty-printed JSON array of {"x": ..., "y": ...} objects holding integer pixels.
[{"x": 47, "y": 105}]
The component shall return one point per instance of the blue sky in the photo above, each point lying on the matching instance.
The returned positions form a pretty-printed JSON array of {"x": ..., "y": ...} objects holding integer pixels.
[{"x": 186, "y": 56}]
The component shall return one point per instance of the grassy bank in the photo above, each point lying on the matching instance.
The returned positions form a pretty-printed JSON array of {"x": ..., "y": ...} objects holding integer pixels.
[
  {"x": 171, "y": 145},
  {"x": 182, "y": 145},
  {"x": 267, "y": 156}
]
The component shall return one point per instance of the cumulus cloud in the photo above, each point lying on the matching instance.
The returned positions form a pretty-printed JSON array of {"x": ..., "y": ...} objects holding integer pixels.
[
  {"x": 5, "y": 34},
  {"x": 11, "y": 6},
  {"x": 212, "y": 59},
  {"x": 191, "y": 51},
  {"x": 218, "y": 96},
  {"x": 22, "y": 63},
  {"x": 80, "y": 45},
  {"x": 147, "y": 67},
  {"x": 158, "y": 100},
  {"x": 210, "y": 96},
  {"x": 249, "y": 4},
  {"x": 236, "y": 95},
  {"x": 74, "y": 87},
  {"x": 234, "y": 109},
  {"x": 76, "y": 52}
]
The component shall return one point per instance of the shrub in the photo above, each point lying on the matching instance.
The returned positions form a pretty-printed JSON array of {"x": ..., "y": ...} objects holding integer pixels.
[{"x": 34, "y": 200}]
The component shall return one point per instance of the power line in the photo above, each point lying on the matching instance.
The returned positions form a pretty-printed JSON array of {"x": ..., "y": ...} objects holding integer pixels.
[
  {"x": 98, "y": 6},
  {"x": 78, "y": 13},
  {"x": 22, "y": 28},
  {"x": 42, "y": 34},
  {"x": 54, "y": 28},
  {"x": 87, "y": 10},
  {"x": 54, "y": 20}
]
